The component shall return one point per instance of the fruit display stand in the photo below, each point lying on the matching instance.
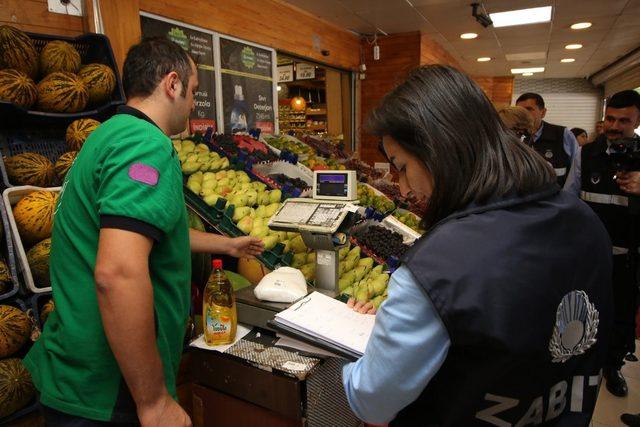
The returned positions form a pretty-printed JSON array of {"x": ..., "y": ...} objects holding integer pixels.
[
  {"x": 11, "y": 196},
  {"x": 297, "y": 172},
  {"x": 93, "y": 48},
  {"x": 9, "y": 251},
  {"x": 283, "y": 142}
]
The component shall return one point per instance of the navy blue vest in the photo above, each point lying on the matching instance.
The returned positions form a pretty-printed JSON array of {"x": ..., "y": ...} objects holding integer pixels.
[
  {"x": 550, "y": 145},
  {"x": 523, "y": 290}
]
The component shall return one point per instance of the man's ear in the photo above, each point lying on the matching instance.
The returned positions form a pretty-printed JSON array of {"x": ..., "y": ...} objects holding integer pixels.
[
  {"x": 172, "y": 85},
  {"x": 543, "y": 113}
]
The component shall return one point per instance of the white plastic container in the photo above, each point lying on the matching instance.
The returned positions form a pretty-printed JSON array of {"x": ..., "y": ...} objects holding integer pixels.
[{"x": 12, "y": 196}]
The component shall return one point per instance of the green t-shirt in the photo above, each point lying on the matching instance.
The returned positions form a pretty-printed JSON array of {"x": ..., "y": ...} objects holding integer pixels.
[{"x": 126, "y": 176}]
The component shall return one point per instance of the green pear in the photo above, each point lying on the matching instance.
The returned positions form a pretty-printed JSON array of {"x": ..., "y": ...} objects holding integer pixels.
[
  {"x": 177, "y": 144},
  {"x": 378, "y": 287},
  {"x": 282, "y": 236},
  {"x": 298, "y": 260},
  {"x": 215, "y": 164},
  {"x": 245, "y": 179},
  {"x": 377, "y": 301},
  {"x": 287, "y": 246},
  {"x": 360, "y": 272},
  {"x": 263, "y": 198},
  {"x": 241, "y": 212},
  {"x": 194, "y": 186},
  {"x": 214, "y": 155},
  {"x": 258, "y": 222},
  {"x": 202, "y": 148},
  {"x": 246, "y": 224},
  {"x": 342, "y": 253},
  {"x": 308, "y": 271},
  {"x": 223, "y": 190},
  {"x": 252, "y": 197},
  {"x": 349, "y": 263},
  {"x": 367, "y": 263},
  {"x": 343, "y": 284},
  {"x": 207, "y": 191},
  {"x": 211, "y": 199},
  {"x": 198, "y": 177},
  {"x": 260, "y": 231},
  {"x": 292, "y": 235},
  {"x": 341, "y": 267},
  {"x": 182, "y": 157},
  {"x": 269, "y": 242},
  {"x": 224, "y": 182},
  {"x": 225, "y": 163},
  {"x": 231, "y": 174},
  {"x": 188, "y": 146},
  {"x": 261, "y": 211},
  {"x": 193, "y": 157},
  {"x": 355, "y": 251},
  {"x": 378, "y": 269},
  {"x": 275, "y": 196},
  {"x": 362, "y": 295},
  {"x": 245, "y": 186},
  {"x": 311, "y": 257},
  {"x": 239, "y": 200},
  {"x": 220, "y": 175},
  {"x": 350, "y": 276},
  {"x": 298, "y": 246},
  {"x": 209, "y": 176},
  {"x": 259, "y": 186},
  {"x": 190, "y": 167},
  {"x": 272, "y": 209},
  {"x": 209, "y": 184}
]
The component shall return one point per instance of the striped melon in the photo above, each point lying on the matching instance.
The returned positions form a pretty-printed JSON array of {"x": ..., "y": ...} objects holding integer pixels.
[
  {"x": 17, "y": 51},
  {"x": 99, "y": 80},
  {"x": 18, "y": 88},
  {"x": 64, "y": 163},
  {"x": 30, "y": 169},
  {"x": 16, "y": 387},
  {"x": 38, "y": 257},
  {"x": 34, "y": 215},
  {"x": 15, "y": 328},
  {"x": 62, "y": 92},
  {"x": 59, "y": 55},
  {"x": 78, "y": 131},
  {"x": 46, "y": 310},
  {"x": 5, "y": 277}
]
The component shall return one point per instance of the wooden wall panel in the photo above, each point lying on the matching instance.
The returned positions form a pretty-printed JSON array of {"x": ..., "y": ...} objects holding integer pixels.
[
  {"x": 498, "y": 89},
  {"x": 272, "y": 23},
  {"x": 34, "y": 16},
  {"x": 399, "y": 54},
  {"x": 432, "y": 53}
]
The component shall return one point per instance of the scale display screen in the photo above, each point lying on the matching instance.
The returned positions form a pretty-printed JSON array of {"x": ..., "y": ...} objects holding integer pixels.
[{"x": 334, "y": 184}]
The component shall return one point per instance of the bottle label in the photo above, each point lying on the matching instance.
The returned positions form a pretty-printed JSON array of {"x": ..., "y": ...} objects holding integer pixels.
[{"x": 218, "y": 325}]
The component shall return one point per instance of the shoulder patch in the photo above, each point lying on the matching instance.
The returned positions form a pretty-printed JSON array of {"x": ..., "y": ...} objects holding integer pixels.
[{"x": 144, "y": 173}]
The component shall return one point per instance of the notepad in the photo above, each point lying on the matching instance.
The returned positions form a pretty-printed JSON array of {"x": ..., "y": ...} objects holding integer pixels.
[{"x": 327, "y": 319}]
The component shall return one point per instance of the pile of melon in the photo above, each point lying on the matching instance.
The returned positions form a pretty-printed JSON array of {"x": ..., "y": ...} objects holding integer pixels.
[
  {"x": 37, "y": 170},
  {"x": 16, "y": 387},
  {"x": 52, "y": 80}
]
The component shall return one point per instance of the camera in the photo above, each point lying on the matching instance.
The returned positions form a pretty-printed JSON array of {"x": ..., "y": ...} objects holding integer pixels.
[
  {"x": 624, "y": 154},
  {"x": 482, "y": 18}
]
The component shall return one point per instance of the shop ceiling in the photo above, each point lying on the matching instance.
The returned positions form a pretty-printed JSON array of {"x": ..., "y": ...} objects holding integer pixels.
[{"x": 614, "y": 33}]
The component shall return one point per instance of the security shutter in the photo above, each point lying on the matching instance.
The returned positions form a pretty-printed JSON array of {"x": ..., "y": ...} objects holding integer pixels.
[{"x": 629, "y": 79}]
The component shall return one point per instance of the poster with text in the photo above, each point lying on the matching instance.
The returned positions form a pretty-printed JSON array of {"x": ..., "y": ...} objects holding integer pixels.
[
  {"x": 200, "y": 46},
  {"x": 247, "y": 87}
]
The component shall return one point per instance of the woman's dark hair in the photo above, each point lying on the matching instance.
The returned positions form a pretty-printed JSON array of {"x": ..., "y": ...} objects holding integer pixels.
[
  {"x": 149, "y": 61},
  {"x": 441, "y": 116},
  {"x": 577, "y": 132}
]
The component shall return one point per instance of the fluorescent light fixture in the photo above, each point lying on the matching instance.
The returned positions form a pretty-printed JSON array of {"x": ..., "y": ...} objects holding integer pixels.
[
  {"x": 567, "y": 60},
  {"x": 527, "y": 74},
  {"x": 533, "y": 15},
  {"x": 484, "y": 59},
  {"x": 573, "y": 46},
  {"x": 581, "y": 25},
  {"x": 468, "y": 36},
  {"x": 527, "y": 70}
]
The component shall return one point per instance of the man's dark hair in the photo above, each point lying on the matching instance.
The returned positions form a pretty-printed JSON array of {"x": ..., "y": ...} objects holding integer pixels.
[
  {"x": 442, "y": 117},
  {"x": 624, "y": 99},
  {"x": 534, "y": 96},
  {"x": 149, "y": 61},
  {"x": 578, "y": 131}
]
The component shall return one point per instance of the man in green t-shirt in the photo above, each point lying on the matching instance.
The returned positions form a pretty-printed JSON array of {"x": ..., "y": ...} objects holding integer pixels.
[{"x": 120, "y": 259}]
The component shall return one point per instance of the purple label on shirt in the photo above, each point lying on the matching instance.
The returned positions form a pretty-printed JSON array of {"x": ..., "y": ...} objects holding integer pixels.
[{"x": 144, "y": 174}]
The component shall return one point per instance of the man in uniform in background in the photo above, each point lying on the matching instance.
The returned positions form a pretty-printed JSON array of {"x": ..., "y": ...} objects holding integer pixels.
[
  {"x": 611, "y": 186},
  {"x": 555, "y": 143}
]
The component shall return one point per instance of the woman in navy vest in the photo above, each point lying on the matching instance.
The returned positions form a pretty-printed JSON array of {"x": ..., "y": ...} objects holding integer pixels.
[{"x": 499, "y": 314}]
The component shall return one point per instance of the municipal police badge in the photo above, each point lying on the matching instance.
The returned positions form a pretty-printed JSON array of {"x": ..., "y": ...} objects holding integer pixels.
[
  {"x": 548, "y": 154},
  {"x": 595, "y": 178},
  {"x": 576, "y": 327}
]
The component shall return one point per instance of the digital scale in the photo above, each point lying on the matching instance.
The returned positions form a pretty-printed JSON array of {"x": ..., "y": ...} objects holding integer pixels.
[{"x": 321, "y": 222}]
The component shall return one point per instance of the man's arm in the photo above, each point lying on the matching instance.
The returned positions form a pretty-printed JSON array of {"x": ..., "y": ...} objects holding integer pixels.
[
  {"x": 239, "y": 247},
  {"x": 125, "y": 299}
]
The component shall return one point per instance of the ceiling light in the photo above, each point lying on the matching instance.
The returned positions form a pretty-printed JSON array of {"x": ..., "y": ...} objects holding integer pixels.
[
  {"x": 527, "y": 70},
  {"x": 581, "y": 25},
  {"x": 468, "y": 36},
  {"x": 527, "y": 74},
  {"x": 567, "y": 60},
  {"x": 521, "y": 17},
  {"x": 573, "y": 46},
  {"x": 484, "y": 59}
]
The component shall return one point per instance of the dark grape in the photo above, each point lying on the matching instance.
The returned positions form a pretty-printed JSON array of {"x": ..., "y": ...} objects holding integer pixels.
[{"x": 381, "y": 241}]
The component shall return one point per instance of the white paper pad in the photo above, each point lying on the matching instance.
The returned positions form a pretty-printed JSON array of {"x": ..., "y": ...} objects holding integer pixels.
[
  {"x": 288, "y": 342},
  {"x": 200, "y": 343}
]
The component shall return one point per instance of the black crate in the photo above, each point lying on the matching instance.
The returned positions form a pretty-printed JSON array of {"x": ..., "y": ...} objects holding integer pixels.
[
  {"x": 36, "y": 303},
  {"x": 9, "y": 256},
  {"x": 93, "y": 48}
]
